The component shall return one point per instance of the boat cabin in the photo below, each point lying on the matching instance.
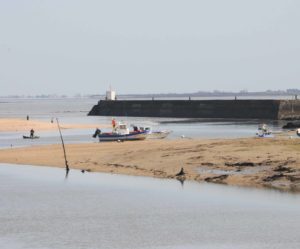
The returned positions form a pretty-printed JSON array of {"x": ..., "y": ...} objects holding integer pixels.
[{"x": 121, "y": 129}]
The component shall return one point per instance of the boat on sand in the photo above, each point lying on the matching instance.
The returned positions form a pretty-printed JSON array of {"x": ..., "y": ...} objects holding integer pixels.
[
  {"x": 158, "y": 134},
  {"x": 154, "y": 134},
  {"x": 264, "y": 131},
  {"x": 120, "y": 132}
]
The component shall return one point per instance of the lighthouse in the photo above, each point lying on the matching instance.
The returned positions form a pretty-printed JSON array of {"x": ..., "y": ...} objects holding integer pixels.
[{"x": 110, "y": 94}]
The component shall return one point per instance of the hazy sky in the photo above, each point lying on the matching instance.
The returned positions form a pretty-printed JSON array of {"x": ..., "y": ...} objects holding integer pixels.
[{"x": 72, "y": 46}]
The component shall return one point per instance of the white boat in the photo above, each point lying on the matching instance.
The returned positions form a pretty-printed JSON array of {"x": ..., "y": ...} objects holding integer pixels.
[
  {"x": 158, "y": 134},
  {"x": 155, "y": 134},
  {"x": 264, "y": 131},
  {"x": 121, "y": 133}
]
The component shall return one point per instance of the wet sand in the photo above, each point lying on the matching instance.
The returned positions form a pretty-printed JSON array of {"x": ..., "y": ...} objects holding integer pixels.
[
  {"x": 251, "y": 162},
  {"x": 7, "y": 125}
]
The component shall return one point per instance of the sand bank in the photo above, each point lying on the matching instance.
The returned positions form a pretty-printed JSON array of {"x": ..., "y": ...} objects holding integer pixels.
[
  {"x": 243, "y": 162},
  {"x": 8, "y": 125}
]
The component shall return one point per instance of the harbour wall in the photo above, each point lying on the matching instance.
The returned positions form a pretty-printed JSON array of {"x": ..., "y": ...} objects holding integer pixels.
[{"x": 239, "y": 109}]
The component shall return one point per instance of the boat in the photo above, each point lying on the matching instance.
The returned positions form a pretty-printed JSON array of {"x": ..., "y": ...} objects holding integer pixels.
[
  {"x": 264, "y": 131},
  {"x": 298, "y": 132},
  {"x": 121, "y": 133},
  {"x": 158, "y": 134},
  {"x": 30, "y": 137},
  {"x": 153, "y": 134}
]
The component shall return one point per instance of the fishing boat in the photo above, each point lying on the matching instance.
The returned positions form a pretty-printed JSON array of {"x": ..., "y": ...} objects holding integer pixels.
[{"x": 121, "y": 133}]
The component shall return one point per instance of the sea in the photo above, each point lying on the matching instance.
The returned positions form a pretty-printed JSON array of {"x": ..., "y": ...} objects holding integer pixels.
[
  {"x": 75, "y": 110},
  {"x": 42, "y": 208}
]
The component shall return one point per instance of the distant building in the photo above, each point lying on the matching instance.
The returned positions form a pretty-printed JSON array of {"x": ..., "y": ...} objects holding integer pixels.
[{"x": 110, "y": 95}]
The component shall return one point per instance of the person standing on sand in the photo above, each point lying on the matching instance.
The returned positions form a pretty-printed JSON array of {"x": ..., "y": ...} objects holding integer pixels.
[{"x": 27, "y": 117}]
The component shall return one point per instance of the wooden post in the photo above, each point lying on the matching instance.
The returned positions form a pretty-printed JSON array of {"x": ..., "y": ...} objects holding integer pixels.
[{"x": 63, "y": 145}]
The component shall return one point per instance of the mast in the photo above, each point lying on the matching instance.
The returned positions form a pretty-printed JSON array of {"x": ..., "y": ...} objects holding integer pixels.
[{"x": 63, "y": 145}]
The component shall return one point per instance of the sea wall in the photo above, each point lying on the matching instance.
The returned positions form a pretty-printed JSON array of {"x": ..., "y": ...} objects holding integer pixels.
[
  {"x": 241, "y": 109},
  {"x": 289, "y": 110}
]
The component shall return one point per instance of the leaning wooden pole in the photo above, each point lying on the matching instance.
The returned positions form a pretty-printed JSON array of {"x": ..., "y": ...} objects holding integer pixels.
[{"x": 63, "y": 145}]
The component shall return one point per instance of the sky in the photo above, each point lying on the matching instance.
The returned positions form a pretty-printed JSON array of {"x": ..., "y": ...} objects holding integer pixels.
[{"x": 157, "y": 46}]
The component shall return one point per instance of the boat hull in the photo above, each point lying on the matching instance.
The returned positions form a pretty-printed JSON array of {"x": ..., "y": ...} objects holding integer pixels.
[
  {"x": 158, "y": 134},
  {"x": 105, "y": 137},
  {"x": 28, "y": 137}
]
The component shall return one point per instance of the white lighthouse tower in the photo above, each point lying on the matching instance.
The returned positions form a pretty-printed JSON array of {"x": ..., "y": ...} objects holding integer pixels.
[{"x": 110, "y": 95}]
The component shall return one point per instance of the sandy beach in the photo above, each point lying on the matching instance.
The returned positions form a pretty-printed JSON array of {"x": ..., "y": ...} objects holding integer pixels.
[
  {"x": 16, "y": 124},
  {"x": 251, "y": 162}
]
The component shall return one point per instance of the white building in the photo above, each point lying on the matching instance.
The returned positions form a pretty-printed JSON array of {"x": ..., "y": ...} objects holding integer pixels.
[{"x": 110, "y": 95}]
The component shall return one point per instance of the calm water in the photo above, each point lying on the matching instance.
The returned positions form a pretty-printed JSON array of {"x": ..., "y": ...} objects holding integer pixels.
[
  {"x": 40, "y": 209},
  {"x": 74, "y": 110}
]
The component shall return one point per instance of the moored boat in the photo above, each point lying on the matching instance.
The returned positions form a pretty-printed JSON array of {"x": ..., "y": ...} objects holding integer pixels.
[
  {"x": 31, "y": 137},
  {"x": 122, "y": 137},
  {"x": 155, "y": 134},
  {"x": 158, "y": 134},
  {"x": 264, "y": 131},
  {"x": 121, "y": 133}
]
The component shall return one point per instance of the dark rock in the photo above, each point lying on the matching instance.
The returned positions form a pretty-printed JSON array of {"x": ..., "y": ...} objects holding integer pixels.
[
  {"x": 241, "y": 164},
  {"x": 292, "y": 125},
  {"x": 282, "y": 168},
  {"x": 273, "y": 177},
  {"x": 293, "y": 178},
  {"x": 181, "y": 173},
  {"x": 207, "y": 164},
  {"x": 216, "y": 179}
]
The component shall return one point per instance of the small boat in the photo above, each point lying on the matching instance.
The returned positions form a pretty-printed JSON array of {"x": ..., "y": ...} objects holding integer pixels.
[
  {"x": 29, "y": 137},
  {"x": 121, "y": 133},
  {"x": 158, "y": 134},
  {"x": 264, "y": 131},
  {"x": 155, "y": 134},
  {"x": 298, "y": 132}
]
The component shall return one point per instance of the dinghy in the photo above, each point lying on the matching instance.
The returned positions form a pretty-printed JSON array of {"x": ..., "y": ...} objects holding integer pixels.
[
  {"x": 155, "y": 134},
  {"x": 29, "y": 137}
]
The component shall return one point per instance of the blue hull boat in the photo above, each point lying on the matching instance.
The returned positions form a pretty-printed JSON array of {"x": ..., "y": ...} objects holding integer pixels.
[{"x": 132, "y": 136}]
